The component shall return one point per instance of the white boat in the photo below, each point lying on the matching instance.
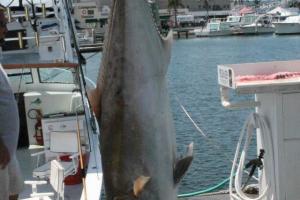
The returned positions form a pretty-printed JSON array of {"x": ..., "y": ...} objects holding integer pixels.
[
  {"x": 261, "y": 25},
  {"x": 89, "y": 22},
  {"x": 218, "y": 27},
  {"x": 59, "y": 150},
  {"x": 234, "y": 20},
  {"x": 215, "y": 28},
  {"x": 291, "y": 25},
  {"x": 238, "y": 25}
]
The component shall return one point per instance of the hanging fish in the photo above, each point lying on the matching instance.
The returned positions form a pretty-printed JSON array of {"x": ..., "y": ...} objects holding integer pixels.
[{"x": 131, "y": 103}]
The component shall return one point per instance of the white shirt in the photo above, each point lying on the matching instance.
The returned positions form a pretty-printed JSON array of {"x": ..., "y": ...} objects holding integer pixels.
[{"x": 9, "y": 115}]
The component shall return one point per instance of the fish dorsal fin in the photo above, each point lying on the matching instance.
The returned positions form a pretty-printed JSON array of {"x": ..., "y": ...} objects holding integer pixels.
[
  {"x": 182, "y": 165},
  {"x": 139, "y": 185},
  {"x": 167, "y": 44}
]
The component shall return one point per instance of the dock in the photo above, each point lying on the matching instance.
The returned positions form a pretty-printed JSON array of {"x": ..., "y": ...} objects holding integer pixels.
[{"x": 184, "y": 32}]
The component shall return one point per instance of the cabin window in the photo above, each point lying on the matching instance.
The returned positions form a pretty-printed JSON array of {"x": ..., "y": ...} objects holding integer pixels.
[
  {"x": 90, "y": 12},
  {"x": 56, "y": 75},
  {"x": 18, "y": 76}
]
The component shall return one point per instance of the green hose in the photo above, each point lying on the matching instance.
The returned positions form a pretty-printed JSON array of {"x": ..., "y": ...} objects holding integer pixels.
[{"x": 205, "y": 191}]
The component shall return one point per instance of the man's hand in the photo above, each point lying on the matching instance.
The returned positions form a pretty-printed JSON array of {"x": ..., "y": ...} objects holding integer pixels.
[
  {"x": 3, "y": 27},
  {"x": 4, "y": 155}
]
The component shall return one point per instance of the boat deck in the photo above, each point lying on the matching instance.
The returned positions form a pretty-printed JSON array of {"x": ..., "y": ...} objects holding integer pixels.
[
  {"x": 27, "y": 164},
  {"x": 222, "y": 195}
]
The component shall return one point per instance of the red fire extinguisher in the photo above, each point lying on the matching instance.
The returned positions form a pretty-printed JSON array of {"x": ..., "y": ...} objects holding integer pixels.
[{"x": 38, "y": 125}]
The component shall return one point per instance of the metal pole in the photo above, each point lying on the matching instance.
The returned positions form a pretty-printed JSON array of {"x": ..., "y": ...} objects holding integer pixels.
[
  {"x": 81, "y": 158},
  {"x": 20, "y": 38}
]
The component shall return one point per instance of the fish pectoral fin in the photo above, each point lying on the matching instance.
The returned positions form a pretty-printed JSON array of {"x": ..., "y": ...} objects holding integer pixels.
[
  {"x": 167, "y": 44},
  {"x": 139, "y": 185},
  {"x": 183, "y": 164}
]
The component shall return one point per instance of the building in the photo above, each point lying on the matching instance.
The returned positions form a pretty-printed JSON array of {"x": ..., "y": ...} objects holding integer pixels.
[
  {"x": 200, "y": 5},
  {"x": 198, "y": 8},
  {"x": 192, "y": 5}
]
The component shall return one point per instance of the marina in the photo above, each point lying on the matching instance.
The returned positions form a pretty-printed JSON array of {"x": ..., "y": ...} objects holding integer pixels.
[{"x": 197, "y": 59}]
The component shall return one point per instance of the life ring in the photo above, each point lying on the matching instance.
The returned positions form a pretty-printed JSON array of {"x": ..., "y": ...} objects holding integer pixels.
[{"x": 83, "y": 11}]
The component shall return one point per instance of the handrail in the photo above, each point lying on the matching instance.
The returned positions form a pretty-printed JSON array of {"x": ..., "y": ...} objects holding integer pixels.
[
  {"x": 26, "y": 13},
  {"x": 36, "y": 37},
  {"x": 40, "y": 65},
  {"x": 32, "y": 37}
]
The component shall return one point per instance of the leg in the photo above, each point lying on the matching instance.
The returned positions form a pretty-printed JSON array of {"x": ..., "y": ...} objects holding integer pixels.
[
  {"x": 4, "y": 184},
  {"x": 15, "y": 179}
]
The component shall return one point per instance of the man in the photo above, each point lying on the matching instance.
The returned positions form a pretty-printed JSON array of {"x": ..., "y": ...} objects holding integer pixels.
[
  {"x": 10, "y": 177},
  {"x": 3, "y": 29}
]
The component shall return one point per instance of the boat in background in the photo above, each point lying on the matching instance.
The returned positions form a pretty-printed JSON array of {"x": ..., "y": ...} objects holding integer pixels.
[
  {"x": 90, "y": 23},
  {"x": 59, "y": 135},
  {"x": 214, "y": 28},
  {"x": 261, "y": 25},
  {"x": 237, "y": 25},
  {"x": 219, "y": 27},
  {"x": 291, "y": 25}
]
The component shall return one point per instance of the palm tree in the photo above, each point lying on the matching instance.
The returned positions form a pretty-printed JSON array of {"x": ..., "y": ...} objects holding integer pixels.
[
  {"x": 175, "y": 4},
  {"x": 256, "y": 3},
  {"x": 206, "y": 5}
]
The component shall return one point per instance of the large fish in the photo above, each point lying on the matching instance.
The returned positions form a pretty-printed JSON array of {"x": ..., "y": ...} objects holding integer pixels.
[{"x": 132, "y": 107}]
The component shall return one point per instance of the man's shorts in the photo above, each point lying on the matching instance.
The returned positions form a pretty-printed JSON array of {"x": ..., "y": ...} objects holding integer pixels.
[{"x": 11, "y": 180}]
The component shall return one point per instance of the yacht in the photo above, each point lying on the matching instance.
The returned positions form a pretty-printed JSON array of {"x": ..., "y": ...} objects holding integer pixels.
[
  {"x": 238, "y": 25},
  {"x": 58, "y": 146},
  {"x": 214, "y": 28},
  {"x": 219, "y": 27},
  {"x": 261, "y": 25},
  {"x": 291, "y": 25}
]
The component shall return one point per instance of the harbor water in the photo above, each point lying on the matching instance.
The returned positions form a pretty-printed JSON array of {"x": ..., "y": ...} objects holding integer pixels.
[{"x": 192, "y": 78}]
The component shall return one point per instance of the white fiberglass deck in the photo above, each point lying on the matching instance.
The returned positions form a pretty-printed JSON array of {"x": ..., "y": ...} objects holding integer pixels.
[
  {"x": 28, "y": 164},
  {"x": 93, "y": 180},
  {"x": 222, "y": 195}
]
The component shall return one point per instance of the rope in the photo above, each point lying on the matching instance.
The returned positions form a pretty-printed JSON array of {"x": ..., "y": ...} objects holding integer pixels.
[
  {"x": 215, "y": 144},
  {"x": 252, "y": 122},
  {"x": 212, "y": 142}
]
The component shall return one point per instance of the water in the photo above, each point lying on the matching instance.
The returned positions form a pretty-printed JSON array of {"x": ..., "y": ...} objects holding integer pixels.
[{"x": 192, "y": 78}]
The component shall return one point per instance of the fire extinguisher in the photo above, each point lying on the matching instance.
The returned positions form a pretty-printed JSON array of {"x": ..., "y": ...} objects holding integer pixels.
[{"x": 38, "y": 125}]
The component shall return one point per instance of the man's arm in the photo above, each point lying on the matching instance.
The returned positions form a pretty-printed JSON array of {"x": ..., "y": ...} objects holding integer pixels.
[{"x": 4, "y": 155}]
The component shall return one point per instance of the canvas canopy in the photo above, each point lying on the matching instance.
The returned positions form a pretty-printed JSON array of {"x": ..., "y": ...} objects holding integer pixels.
[
  {"x": 284, "y": 11},
  {"x": 246, "y": 10}
]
